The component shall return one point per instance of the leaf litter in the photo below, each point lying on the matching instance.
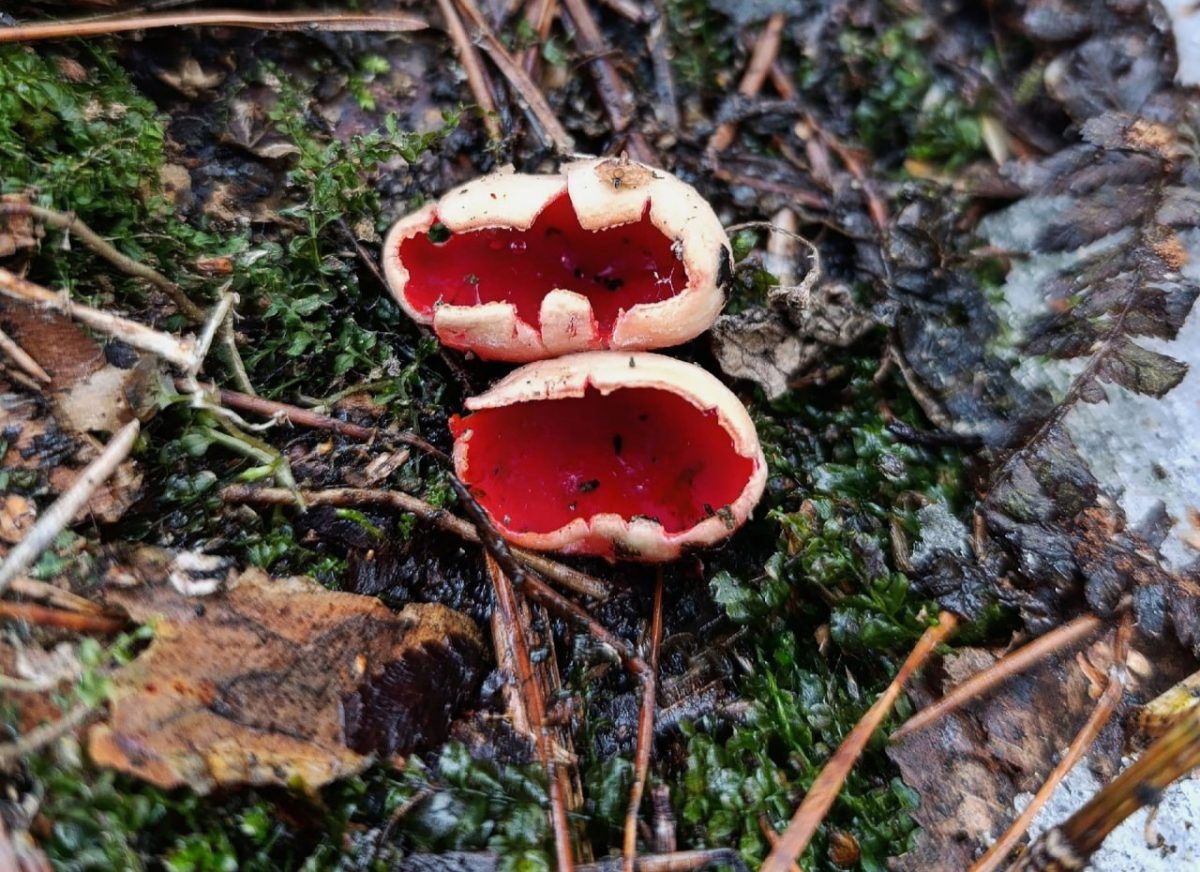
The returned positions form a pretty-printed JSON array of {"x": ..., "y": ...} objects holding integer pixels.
[
  {"x": 1038, "y": 518},
  {"x": 280, "y": 681}
]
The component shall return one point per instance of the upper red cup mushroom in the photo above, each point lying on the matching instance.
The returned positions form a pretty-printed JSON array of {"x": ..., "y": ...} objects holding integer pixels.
[
  {"x": 608, "y": 253},
  {"x": 630, "y": 456}
]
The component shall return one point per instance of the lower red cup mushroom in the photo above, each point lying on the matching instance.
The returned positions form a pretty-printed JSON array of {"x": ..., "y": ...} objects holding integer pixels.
[{"x": 623, "y": 455}]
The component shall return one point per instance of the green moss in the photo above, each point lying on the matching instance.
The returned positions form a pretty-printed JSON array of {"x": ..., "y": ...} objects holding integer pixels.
[
  {"x": 900, "y": 101},
  {"x": 839, "y": 480}
]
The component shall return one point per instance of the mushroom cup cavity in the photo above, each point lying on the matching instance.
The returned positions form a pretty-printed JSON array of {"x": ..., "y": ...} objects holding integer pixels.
[
  {"x": 607, "y": 254},
  {"x": 625, "y": 456}
]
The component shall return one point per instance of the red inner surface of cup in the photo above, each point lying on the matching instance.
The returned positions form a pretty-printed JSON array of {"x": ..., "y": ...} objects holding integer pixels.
[
  {"x": 535, "y": 466},
  {"x": 615, "y": 268}
]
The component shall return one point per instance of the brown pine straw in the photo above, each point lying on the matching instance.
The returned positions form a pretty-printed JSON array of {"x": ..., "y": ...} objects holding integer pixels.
[
  {"x": 829, "y": 781},
  {"x": 977, "y": 685},
  {"x": 614, "y": 93},
  {"x": 45, "y": 616},
  {"x": 513, "y": 623},
  {"x": 1172, "y": 756},
  {"x": 297, "y": 21},
  {"x": 618, "y": 99},
  {"x": 539, "y": 14},
  {"x": 70, "y": 222},
  {"x": 645, "y": 735},
  {"x": 477, "y": 80},
  {"x": 766, "y": 48},
  {"x": 343, "y": 497},
  {"x": 1079, "y": 746},
  {"x": 527, "y": 93}
]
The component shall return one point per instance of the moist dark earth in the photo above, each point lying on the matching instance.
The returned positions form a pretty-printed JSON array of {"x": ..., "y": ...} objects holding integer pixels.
[{"x": 914, "y": 464}]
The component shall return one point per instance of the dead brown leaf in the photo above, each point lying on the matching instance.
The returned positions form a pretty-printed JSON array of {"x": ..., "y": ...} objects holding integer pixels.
[
  {"x": 280, "y": 681},
  {"x": 17, "y": 515},
  {"x": 774, "y": 346},
  {"x": 969, "y": 767}
]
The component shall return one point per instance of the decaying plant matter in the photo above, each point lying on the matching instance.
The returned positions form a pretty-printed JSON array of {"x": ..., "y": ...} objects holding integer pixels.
[{"x": 956, "y": 254}]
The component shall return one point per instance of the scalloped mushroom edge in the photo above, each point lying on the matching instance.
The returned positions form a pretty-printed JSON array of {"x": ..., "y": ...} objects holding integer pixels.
[
  {"x": 611, "y": 535},
  {"x": 604, "y": 192}
]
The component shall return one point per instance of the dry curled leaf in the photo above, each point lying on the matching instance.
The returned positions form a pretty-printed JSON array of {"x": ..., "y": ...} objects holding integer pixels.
[
  {"x": 280, "y": 681},
  {"x": 771, "y": 348}
]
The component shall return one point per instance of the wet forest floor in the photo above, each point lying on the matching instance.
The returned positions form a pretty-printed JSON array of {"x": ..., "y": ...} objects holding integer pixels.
[{"x": 1003, "y": 199}]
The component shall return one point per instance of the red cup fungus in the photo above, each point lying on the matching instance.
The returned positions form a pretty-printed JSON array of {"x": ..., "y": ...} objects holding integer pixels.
[
  {"x": 623, "y": 455},
  {"x": 606, "y": 254}
]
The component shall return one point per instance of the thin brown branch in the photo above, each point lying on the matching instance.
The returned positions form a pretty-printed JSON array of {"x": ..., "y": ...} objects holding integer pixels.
[
  {"x": 829, "y": 782},
  {"x": 568, "y": 577},
  {"x": 513, "y": 624},
  {"x": 772, "y": 836},
  {"x": 298, "y": 21},
  {"x": 629, "y": 10},
  {"x": 39, "y": 590},
  {"x": 677, "y": 861},
  {"x": 1172, "y": 756},
  {"x": 876, "y": 205},
  {"x": 68, "y": 504},
  {"x": 666, "y": 105},
  {"x": 476, "y": 78},
  {"x": 21, "y": 358},
  {"x": 526, "y": 91},
  {"x": 645, "y": 734},
  {"x": 766, "y": 48},
  {"x": 1105, "y": 706},
  {"x": 539, "y": 15},
  {"x": 782, "y": 82},
  {"x": 977, "y": 685},
  {"x": 40, "y": 737},
  {"x": 799, "y": 195},
  {"x": 181, "y": 352},
  {"x": 44, "y": 616},
  {"x": 614, "y": 94},
  {"x": 71, "y": 223}
]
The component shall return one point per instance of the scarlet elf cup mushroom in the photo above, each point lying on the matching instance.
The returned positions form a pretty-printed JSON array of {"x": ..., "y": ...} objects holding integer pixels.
[
  {"x": 623, "y": 455},
  {"x": 606, "y": 254}
]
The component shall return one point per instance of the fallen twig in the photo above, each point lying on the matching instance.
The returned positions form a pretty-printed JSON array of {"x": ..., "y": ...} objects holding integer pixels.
[
  {"x": 772, "y": 836},
  {"x": 1079, "y": 746},
  {"x": 645, "y": 734},
  {"x": 181, "y": 352},
  {"x": 616, "y": 96},
  {"x": 56, "y": 596},
  {"x": 665, "y": 103},
  {"x": 68, "y": 504},
  {"x": 1172, "y": 756},
  {"x": 570, "y": 578},
  {"x": 766, "y": 47},
  {"x": 40, "y": 737},
  {"x": 21, "y": 358},
  {"x": 44, "y": 616},
  {"x": 524, "y": 88},
  {"x": 829, "y": 782},
  {"x": 678, "y": 861},
  {"x": 512, "y": 623},
  {"x": 539, "y": 15},
  {"x": 977, "y": 685},
  {"x": 298, "y": 21},
  {"x": 93, "y": 240},
  {"x": 477, "y": 79}
]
